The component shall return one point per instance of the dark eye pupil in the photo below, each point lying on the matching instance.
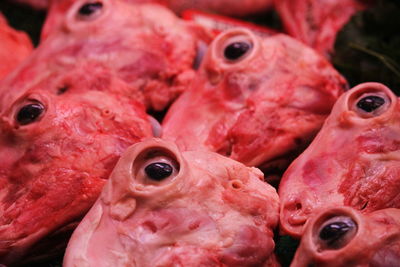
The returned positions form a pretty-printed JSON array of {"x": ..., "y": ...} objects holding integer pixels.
[
  {"x": 158, "y": 171},
  {"x": 334, "y": 231},
  {"x": 90, "y": 8},
  {"x": 236, "y": 50},
  {"x": 29, "y": 113},
  {"x": 370, "y": 103}
]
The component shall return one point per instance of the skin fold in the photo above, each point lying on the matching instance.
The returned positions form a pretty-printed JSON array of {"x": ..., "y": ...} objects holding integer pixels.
[
  {"x": 353, "y": 161},
  {"x": 208, "y": 211}
]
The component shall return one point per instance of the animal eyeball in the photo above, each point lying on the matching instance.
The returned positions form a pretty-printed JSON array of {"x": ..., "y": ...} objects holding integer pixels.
[
  {"x": 236, "y": 50},
  {"x": 336, "y": 232},
  {"x": 159, "y": 171},
  {"x": 155, "y": 166},
  {"x": 90, "y": 10},
  {"x": 371, "y": 105},
  {"x": 30, "y": 113}
]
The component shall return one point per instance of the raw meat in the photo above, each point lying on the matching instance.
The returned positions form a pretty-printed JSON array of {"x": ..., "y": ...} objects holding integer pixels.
[
  {"x": 45, "y": 4},
  {"x": 226, "y": 7},
  {"x": 59, "y": 141},
  {"x": 343, "y": 236},
  {"x": 317, "y": 22},
  {"x": 15, "y": 46},
  {"x": 36, "y": 4},
  {"x": 163, "y": 207},
  {"x": 353, "y": 161},
  {"x": 146, "y": 45},
  {"x": 258, "y": 101}
]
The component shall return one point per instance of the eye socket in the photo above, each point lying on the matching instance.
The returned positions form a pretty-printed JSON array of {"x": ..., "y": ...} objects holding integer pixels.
[
  {"x": 30, "y": 113},
  {"x": 336, "y": 233},
  {"x": 236, "y": 50},
  {"x": 155, "y": 166},
  {"x": 372, "y": 104},
  {"x": 90, "y": 10}
]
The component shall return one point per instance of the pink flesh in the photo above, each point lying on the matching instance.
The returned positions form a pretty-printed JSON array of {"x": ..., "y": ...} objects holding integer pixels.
[
  {"x": 15, "y": 46},
  {"x": 236, "y": 7},
  {"x": 353, "y": 161},
  {"x": 376, "y": 242},
  {"x": 53, "y": 169},
  {"x": 36, "y": 4},
  {"x": 259, "y": 110},
  {"x": 317, "y": 22},
  {"x": 212, "y": 211},
  {"x": 45, "y": 4},
  {"x": 226, "y": 7},
  {"x": 146, "y": 45}
]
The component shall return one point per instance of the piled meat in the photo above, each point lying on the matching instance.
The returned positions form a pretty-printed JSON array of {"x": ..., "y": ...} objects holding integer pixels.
[
  {"x": 236, "y": 7},
  {"x": 316, "y": 22},
  {"x": 343, "y": 236},
  {"x": 163, "y": 207},
  {"x": 70, "y": 110},
  {"x": 60, "y": 137},
  {"x": 258, "y": 101},
  {"x": 354, "y": 160},
  {"x": 15, "y": 46},
  {"x": 152, "y": 50}
]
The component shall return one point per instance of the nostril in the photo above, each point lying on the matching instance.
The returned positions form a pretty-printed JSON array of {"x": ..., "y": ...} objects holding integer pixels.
[
  {"x": 294, "y": 205},
  {"x": 236, "y": 184},
  {"x": 106, "y": 113},
  {"x": 150, "y": 226},
  {"x": 214, "y": 77}
]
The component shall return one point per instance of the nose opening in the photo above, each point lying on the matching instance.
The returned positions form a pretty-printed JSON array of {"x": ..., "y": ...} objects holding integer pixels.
[{"x": 294, "y": 216}]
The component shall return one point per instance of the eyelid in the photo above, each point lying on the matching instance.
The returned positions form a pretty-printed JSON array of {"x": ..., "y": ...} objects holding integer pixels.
[
  {"x": 215, "y": 58},
  {"x": 149, "y": 157},
  {"x": 91, "y": 16},
  {"x": 74, "y": 22},
  {"x": 377, "y": 112},
  {"x": 234, "y": 40}
]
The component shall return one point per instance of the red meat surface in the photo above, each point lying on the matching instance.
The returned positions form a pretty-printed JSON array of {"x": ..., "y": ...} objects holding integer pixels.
[
  {"x": 261, "y": 108},
  {"x": 207, "y": 210},
  {"x": 15, "y": 46},
  {"x": 60, "y": 138},
  {"x": 45, "y": 4},
  {"x": 343, "y": 236},
  {"x": 225, "y": 7},
  {"x": 317, "y": 22},
  {"x": 146, "y": 45},
  {"x": 353, "y": 161}
]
